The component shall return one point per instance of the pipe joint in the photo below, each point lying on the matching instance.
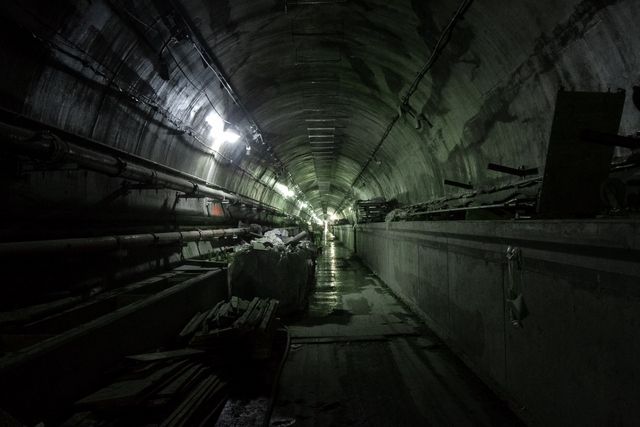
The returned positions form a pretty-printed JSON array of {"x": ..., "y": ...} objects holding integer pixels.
[
  {"x": 121, "y": 167},
  {"x": 58, "y": 148}
]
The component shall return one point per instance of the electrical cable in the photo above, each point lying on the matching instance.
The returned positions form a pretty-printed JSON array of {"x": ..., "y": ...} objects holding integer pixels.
[
  {"x": 178, "y": 124},
  {"x": 208, "y": 60},
  {"x": 276, "y": 383},
  {"x": 89, "y": 62},
  {"x": 439, "y": 47}
]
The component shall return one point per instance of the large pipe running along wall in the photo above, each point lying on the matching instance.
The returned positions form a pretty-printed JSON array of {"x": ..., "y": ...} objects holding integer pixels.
[
  {"x": 568, "y": 354},
  {"x": 98, "y": 92},
  {"x": 50, "y": 147},
  {"x": 107, "y": 243}
]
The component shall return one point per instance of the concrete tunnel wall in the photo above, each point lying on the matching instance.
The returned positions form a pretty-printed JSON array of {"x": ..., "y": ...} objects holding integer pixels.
[
  {"x": 126, "y": 75},
  {"x": 574, "y": 360}
]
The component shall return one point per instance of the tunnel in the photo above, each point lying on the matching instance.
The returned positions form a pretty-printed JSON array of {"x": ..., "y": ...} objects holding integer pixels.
[{"x": 320, "y": 212}]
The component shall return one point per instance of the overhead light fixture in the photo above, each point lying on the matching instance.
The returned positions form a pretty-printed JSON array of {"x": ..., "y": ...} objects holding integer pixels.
[
  {"x": 284, "y": 190},
  {"x": 218, "y": 134},
  {"x": 230, "y": 136}
]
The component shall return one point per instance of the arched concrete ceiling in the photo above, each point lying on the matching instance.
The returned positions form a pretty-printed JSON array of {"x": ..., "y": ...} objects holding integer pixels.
[{"x": 323, "y": 80}]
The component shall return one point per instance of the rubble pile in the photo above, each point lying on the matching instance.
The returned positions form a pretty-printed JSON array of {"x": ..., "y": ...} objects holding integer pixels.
[
  {"x": 275, "y": 266},
  {"x": 188, "y": 385}
]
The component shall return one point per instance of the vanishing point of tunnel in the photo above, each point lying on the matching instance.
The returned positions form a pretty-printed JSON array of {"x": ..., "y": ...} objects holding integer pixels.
[{"x": 319, "y": 213}]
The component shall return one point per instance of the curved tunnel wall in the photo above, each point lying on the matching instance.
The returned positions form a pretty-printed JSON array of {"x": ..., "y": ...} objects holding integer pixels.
[
  {"x": 128, "y": 74},
  {"x": 124, "y": 73},
  {"x": 86, "y": 69}
]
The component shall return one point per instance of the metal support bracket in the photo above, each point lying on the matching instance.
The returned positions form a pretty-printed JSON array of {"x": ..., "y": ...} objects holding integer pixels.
[
  {"x": 521, "y": 171},
  {"x": 458, "y": 184}
]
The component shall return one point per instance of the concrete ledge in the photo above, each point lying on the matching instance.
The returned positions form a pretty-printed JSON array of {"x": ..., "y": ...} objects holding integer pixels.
[
  {"x": 573, "y": 361},
  {"x": 58, "y": 370}
]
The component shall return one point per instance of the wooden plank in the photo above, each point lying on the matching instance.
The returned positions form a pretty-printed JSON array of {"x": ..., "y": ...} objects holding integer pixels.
[
  {"x": 211, "y": 418},
  {"x": 128, "y": 392},
  {"x": 213, "y": 312},
  {"x": 200, "y": 411},
  {"x": 193, "y": 324},
  {"x": 164, "y": 355},
  {"x": 223, "y": 312},
  {"x": 180, "y": 382},
  {"x": 269, "y": 314},
  {"x": 256, "y": 315},
  {"x": 242, "y": 319},
  {"x": 189, "y": 407},
  {"x": 174, "y": 418}
]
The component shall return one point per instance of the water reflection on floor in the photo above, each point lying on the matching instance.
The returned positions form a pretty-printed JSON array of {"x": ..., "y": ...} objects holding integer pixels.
[
  {"x": 360, "y": 357},
  {"x": 344, "y": 284}
]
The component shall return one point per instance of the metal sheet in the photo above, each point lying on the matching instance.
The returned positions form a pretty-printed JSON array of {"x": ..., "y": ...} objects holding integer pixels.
[{"x": 575, "y": 169}]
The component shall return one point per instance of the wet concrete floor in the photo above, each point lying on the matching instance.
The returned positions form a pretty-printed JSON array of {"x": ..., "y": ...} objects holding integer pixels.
[{"x": 359, "y": 357}]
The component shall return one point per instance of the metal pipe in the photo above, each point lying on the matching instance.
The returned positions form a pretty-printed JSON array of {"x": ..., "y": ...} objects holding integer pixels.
[
  {"x": 515, "y": 203},
  {"x": 47, "y": 146},
  {"x": 110, "y": 243},
  {"x": 27, "y": 123}
]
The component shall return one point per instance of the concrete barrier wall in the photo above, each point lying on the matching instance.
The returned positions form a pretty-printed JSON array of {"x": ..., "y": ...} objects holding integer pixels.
[
  {"x": 346, "y": 235},
  {"x": 59, "y": 370},
  {"x": 573, "y": 360}
]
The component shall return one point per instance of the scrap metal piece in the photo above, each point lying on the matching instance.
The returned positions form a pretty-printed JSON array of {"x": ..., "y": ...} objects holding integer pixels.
[
  {"x": 458, "y": 184},
  {"x": 575, "y": 170},
  {"x": 521, "y": 172}
]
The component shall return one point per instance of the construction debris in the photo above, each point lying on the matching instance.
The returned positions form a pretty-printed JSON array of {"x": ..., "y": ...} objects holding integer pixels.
[
  {"x": 374, "y": 210},
  {"x": 166, "y": 393},
  {"x": 186, "y": 386},
  {"x": 237, "y": 326},
  {"x": 284, "y": 272}
]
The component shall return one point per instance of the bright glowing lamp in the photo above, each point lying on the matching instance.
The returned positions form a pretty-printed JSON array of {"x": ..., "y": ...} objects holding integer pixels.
[
  {"x": 217, "y": 133},
  {"x": 284, "y": 190},
  {"x": 230, "y": 136}
]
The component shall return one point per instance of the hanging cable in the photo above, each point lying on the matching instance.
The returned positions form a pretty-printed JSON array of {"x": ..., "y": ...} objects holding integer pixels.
[
  {"x": 209, "y": 60},
  {"x": 439, "y": 47},
  {"x": 63, "y": 46}
]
